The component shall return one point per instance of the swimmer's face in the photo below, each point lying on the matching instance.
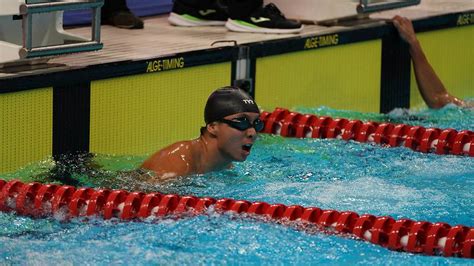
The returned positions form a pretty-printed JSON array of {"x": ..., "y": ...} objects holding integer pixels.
[{"x": 235, "y": 143}]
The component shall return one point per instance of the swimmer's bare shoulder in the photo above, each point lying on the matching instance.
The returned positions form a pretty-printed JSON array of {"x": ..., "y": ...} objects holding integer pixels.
[{"x": 172, "y": 161}]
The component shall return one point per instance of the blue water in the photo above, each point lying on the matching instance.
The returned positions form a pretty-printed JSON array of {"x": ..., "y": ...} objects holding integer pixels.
[{"x": 330, "y": 174}]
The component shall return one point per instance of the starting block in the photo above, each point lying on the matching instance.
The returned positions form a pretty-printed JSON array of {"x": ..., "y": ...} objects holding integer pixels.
[{"x": 34, "y": 29}]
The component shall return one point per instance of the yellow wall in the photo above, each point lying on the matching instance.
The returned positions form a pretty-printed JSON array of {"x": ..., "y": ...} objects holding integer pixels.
[
  {"x": 142, "y": 113},
  {"x": 451, "y": 53},
  {"x": 341, "y": 77},
  {"x": 26, "y": 120}
]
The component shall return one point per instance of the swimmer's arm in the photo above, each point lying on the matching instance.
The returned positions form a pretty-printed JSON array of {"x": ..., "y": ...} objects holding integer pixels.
[
  {"x": 430, "y": 86},
  {"x": 155, "y": 176},
  {"x": 162, "y": 170}
]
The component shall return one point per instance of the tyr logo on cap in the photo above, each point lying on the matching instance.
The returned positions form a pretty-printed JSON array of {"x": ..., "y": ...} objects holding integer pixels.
[{"x": 248, "y": 101}]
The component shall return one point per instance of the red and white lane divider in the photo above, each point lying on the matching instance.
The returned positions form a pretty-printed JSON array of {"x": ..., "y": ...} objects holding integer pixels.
[
  {"x": 441, "y": 141},
  {"x": 36, "y": 199}
]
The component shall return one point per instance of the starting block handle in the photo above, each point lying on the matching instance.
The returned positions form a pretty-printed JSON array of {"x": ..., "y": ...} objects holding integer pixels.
[
  {"x": 366, "y": 7},
  {"x": 58, "y": 6}
]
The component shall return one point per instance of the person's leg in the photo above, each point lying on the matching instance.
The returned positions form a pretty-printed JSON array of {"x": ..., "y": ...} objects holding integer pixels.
[
  {"x": 113, "y": 6},
  {"x": 243, "y": 8},
  {"x": 116, "y": 13},
  {"x": 191, "y": 13},
  {"x": 197, "y": 3},
  {"x": 252, "y": 16}
]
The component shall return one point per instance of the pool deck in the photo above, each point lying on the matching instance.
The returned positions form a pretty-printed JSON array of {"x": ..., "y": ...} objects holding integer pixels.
[{"x": 159, "y": 39}]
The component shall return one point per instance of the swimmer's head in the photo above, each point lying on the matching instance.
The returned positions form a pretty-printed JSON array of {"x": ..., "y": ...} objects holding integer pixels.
[{"x": 228, "y": 101}]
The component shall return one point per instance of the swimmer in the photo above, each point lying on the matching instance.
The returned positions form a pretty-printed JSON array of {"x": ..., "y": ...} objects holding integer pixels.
[
  {"x": 431, "y": 88},
  {"x": 232, "y": 122}
]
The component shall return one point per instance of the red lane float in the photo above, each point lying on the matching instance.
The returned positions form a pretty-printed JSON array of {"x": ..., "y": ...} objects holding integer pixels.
[
  {"x": 25, "y": 199},
  {"x": 413, "y": 139},
  {"x": 320, "y": 127},
  {"x": 352, "y": 129},
  {"x": 149, "y": 202},
  {"x": 79, "y": 201},
  {"x": 186, "y": 203},
  {"x": 303, "y": 128},
  {"x": 273, "y": 120},
  {"x": 403, "y": 235},
  {"x": 399, "y": 230},
  {"x": 8, "y": 194},
  {"x": 2, "y": 183},
  {"x": 131, "y": 205},
  {"x": 288, "y": 127},
  {"x": 382, "y": 132},
  {"x": 292, "y": 124},
  {"x": 367, "y": 132}
]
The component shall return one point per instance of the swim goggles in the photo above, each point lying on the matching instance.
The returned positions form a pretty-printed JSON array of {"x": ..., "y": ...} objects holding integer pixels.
[{"x": 243, "y": 123}]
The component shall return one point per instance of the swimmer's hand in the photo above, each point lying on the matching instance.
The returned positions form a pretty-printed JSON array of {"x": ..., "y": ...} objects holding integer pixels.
[{"x": 405, "y": 29}]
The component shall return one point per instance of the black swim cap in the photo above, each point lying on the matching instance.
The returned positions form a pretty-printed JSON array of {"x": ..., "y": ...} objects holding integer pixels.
[{"x": 228, "y": 101}]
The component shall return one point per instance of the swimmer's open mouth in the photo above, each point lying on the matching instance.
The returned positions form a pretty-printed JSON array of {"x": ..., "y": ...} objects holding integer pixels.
[{"x": 247, "y": 147}]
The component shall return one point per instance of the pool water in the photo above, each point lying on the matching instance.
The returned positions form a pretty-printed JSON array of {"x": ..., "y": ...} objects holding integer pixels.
[{"x": 329, "y": 174}]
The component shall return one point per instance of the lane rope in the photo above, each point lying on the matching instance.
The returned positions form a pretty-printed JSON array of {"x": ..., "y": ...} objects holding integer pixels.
[
  {"x": 39, "y": 200},
  {"x": 428, "y": 140}
]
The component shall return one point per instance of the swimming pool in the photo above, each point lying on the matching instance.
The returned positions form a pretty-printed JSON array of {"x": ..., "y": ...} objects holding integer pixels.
[{"x": 330, "y": 174}]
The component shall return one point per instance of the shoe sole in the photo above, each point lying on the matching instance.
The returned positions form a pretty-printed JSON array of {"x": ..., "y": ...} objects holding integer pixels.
[
  {"x": 234, "y": 25},
  {"x": 127, "y": 27},
  {"x": 190, "y": 21}
]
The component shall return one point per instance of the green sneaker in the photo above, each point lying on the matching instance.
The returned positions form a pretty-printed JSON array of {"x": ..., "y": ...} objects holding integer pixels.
[
  {"x": 267, "y": 19},
  {"x": 189, "y": 16}
]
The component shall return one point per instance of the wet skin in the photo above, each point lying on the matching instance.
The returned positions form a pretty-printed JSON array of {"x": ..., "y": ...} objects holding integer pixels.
[{"x": 216, "y": 149}]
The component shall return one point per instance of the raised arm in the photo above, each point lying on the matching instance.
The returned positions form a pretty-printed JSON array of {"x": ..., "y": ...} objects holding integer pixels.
[{"x": 431, "y": 87}]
